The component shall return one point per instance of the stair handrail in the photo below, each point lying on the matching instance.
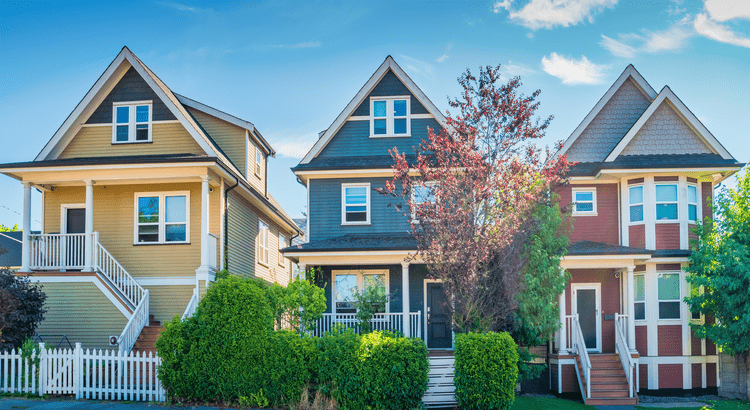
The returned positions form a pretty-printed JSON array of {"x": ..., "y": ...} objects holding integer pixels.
[
  {"x": 191, "y": 306},
  {"x": 628, "y": 364},
  {"x": 580, "y": 346},
  {"x": 135, "y": 326},
  {"x": 110, "y": 268}
]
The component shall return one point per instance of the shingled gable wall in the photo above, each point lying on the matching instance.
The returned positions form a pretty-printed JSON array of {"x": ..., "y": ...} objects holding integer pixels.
[{"x": 665, "y": 133}]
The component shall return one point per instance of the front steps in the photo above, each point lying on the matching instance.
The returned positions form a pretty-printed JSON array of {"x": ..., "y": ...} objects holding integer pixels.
[
  {"x": 609, "y": 387},
  {"x": 147, "y": 339}
]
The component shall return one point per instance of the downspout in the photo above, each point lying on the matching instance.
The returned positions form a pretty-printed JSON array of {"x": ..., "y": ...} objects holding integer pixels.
[
  {"x": 266, "y": 177},
  {"x": 226, "y": 224}
]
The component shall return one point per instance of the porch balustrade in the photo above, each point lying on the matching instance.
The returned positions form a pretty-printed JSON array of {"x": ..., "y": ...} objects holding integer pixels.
[
  {"x": 380, "y": 321},
  {"x": 57, "y": 251}
]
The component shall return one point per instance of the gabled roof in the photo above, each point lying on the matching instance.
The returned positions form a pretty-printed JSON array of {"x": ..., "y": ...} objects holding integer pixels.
[
  {"x": 388, "y": 64},
  {"x": 667, "y": 96},
  {"x": 10, "y": 249},
  {"x": 629, "y": 73}
]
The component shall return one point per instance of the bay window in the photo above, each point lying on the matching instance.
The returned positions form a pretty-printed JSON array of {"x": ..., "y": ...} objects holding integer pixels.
[
  {"x": 162, "y": 218},
  {"x": 692, "y": 203},
  {"x": 639, "y": 293},
  {"x": 666, "y": 202},
  {"x": 636, "y": 203},
  {"x": 669, "y": 295}
]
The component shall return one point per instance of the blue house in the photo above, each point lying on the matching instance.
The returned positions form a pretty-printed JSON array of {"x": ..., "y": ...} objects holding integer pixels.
[{"x": 357, "y": 236}]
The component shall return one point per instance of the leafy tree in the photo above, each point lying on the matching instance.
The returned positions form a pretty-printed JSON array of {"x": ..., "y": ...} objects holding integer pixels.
[
  {"x": 21, "y": 309},
  {"x": 479, "y": 181},
  {"x": 4, "y": 228},
  {"x": 368, "y": 302},
  {"x": 720, "y": 265},
  {"x": 300, "y": 304}
]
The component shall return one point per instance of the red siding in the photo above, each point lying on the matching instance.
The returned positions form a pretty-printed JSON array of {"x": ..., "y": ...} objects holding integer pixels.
[
  {"x": 670, "y": 340},
  {"x": 708, "y": 196},
  {"x": 643, "y": 376},
  {"x": 695, "y": 344},
  {"x": 600, "y": 228},
  {"x": 666, "y": 179},
  {"x": 710, "y": 348},
  {"x": 641, "y": 340},
  {"x": 637, "y": 236},
  {"x": 670, "y": 376},
  {"x": 569, "y": 382},
  {"x": 692, "y": 236},
  {"x": 668, "y": 266},
  {"x": 610, "y": 299},
  {"x": 710, "y": 374},
  {"x": 667, "y": 236},
  {"x": 697, "y": 371}
]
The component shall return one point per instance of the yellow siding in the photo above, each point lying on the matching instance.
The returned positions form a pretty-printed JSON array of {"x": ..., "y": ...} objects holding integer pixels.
[
  {"x": 80, "y": 311},
  {"x": 167, "y": 301},
  {"x": 169, "y": 138},
  {"x": 230, "y": 138},
  {"x": 257, "y": 180},
  {"x": 114, "y": 219}
]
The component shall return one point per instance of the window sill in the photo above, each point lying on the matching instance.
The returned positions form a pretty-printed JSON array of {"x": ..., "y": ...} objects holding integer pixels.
[
  {"x": 669, "y": 321},
  {"x": 585, "y": 214},
  {"x": 160, "y": 243},
  {"x": 131, "y": 142},
  {"x": 265, "y": 265},
  {"x": 636, "y": 223},
  {"x": 667, "y": 221},
  {"x": 390, "y": 136},
  {"x": 355, "y": 223}
]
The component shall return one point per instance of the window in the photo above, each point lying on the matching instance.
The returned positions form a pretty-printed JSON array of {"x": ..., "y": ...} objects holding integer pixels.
[
  {"x": 355, "y": 204},
  {"x": 421, "y": 195},
  {"x": 162, "y": 218},
  {"x": 639, "y": 293},
  {"x": 666, "y": 202},
  {"x": 262, "y": 243},
  {"x": 282, "y": 245},
  {"x": 132, "y": 122},
  {"x": 669, "y": 295},
  {"x": 636, "y": 203},
  {"x": 258, "y": 162},
  {"x": 347, "y": 282},
  {"x": 692, "y": 203},
  {"x": 389, "y": 117},
  {"x": 584, "y": 201},
  {"x": 695, "y": 291}
]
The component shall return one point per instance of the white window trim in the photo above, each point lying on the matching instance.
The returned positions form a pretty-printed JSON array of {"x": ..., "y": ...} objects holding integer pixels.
[
  {"x": 676, "y": 202},
  {"x": 282, "y": 245},
  {"x": 593, "y": 196},
  {"x": 701, "y": 319},
  {"x": 642, "y": 204},
  {"x": 343, "y": 203},
  {"x": 263, "y": 247},
  {"x": 390, "y": 117},
  {"x": 414, "y": 218},
  {"x": 697, "y": 203},
  {"x": 162, "y": 217},
  {"x": 360, "y": 273},
  {"x": 132, "y": 123},
  {"x": 645, "y": 305},
  {"x": 680, "y": 279},
  {"x": 258, "y": 162}
]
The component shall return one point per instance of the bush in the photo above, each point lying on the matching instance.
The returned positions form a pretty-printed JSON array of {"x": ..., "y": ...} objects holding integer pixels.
[
  {"x": 220, "y": 352},
  {"x": 21, "y": 309},
  {"x": 376, "y": 371},
  {"x": 486, "y": 370},
  {"x": 300, "y": 304},
  {"x": 291, "y": 366}
]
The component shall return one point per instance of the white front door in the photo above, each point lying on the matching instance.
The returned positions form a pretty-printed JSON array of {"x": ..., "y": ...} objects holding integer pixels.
[{"x": 588, "y": 305}]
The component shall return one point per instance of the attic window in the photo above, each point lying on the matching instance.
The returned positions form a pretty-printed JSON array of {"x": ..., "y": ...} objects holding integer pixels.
[
  {"x": 389, "y": 116},
  {"x": 131, "y": 122}
]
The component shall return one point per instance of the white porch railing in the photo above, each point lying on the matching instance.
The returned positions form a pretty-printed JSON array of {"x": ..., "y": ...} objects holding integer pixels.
[
  {"x": 579, "y": 344},
  {"x": 380, "y": 321},
  {"x": 57, "y": 251},
  {"x": 568, "y": 333},
  {"x": 628, "y": 364},
  {"x": 134, "y": 326},
  {"x": 192, "y": 305},
  {"x": 107, "y": 265},
  {"x": 212, "y": 244}
]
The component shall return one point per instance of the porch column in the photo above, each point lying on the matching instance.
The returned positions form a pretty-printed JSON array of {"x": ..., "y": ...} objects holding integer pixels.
[
  {"x": 88, "y": 238},
  {"x": 204, "y": 223},
  {"x": 405, "y": 298},
  {"x": 631, "y": 309},
  {"x": 302, "y": 274},
  {"x": 26, "y": 238},
  {"x": 562, "y": 344}
]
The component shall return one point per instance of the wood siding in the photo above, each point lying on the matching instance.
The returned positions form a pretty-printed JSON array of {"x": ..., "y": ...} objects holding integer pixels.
[
  {"x": 697, "y": 375},
  {"x": 667, "y": 236},
  {"x": 353, "y": 139},
  {"x": 643, "y": 376},
  {"x": 96, "y": 141},
  {"x": 670, "y": 340},
  {"x": 711, "y": 375},
  {"x": 641, "y": 340},
  {"x": 670, "y": 376},
  {"x": 167, "y": 301},
  {"x": 230, "y": 138},
  {"x": 695, "y": 343},
  {"x": 610, "y": 299},
  {"x": 600, "y": 228},
  {"x": 82, "y": 312},
  {"x": 637, "y": 236}
]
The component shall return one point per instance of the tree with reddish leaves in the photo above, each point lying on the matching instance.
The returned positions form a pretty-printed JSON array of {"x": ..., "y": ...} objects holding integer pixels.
[{"x": 471, "y": 194}]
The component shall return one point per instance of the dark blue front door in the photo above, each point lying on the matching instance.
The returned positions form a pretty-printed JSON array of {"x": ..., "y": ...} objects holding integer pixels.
[{"x": 439, "y": 331}]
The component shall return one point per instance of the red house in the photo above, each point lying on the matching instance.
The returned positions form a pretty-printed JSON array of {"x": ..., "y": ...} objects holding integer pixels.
[{"x": 646, "y": 171}]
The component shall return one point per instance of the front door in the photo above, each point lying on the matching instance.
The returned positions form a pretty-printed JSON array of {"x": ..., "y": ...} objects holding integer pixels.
[
  {"x": 75, "y": 222},
  {"x": 587, "y": 304},
  {"x": 439, "y": 331}
]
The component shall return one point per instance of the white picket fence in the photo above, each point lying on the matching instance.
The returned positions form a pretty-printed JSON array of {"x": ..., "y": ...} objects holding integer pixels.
[{"x": 89, "y": 374}]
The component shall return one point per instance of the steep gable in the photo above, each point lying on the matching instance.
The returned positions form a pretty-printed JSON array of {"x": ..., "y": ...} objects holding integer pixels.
[
  {"x": 131, "y": 87},
  {"x": 389, "y": 85},
  {"x": 666, "y": 133}
]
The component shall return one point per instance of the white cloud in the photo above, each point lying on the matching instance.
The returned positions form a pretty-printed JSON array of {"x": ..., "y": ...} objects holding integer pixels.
[
  {"x": 547, "y": 14},
  {"x": 442, "y": 58},
  {"x": 719, "y": 32},
  {"x": 630, "y": 44},
  {"x": 295, "y": 148},
  {"x": 309, "y": 44},
  {"x": 674, "y": 38},
  {"x": 183, "y": 7},
  {"x": 617, "y": 48},
  {"x": 417, "y": 66},
  {"x": 723, "y": 10},
  {"x": 572, "y": 71}
]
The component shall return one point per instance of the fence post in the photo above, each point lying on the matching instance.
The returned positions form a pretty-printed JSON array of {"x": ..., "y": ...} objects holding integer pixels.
[
  {"x": 42, "y": 368},
  {"x": 77, "y": 370}
]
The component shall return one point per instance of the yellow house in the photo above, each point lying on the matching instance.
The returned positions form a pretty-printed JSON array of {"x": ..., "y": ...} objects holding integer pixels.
[{"x": 146, "y": 194}]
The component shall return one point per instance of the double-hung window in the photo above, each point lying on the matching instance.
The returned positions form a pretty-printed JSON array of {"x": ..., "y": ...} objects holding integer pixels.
[
  {"x": 389, "y": 117},
  {"x": 669, "y": 295},
  {"x": 666, "y": 202},
  {"x": 262, "y": 243},
  {"x": 258, "y": 163},
  {"x": 421, "y": 196},
  {"x": 348, "y": 282},
  {"x": 636, "y": 203},
  {"x": 282, "y": 245},
  {"x": 692, "y": 203},
  {"x": 355, "y": 204},
  {"x": 639, "y": 293},
  {"x": 584, "y": 201},
  {"x": 131, "y": 122},
  {"x": 162, "y": 218}
]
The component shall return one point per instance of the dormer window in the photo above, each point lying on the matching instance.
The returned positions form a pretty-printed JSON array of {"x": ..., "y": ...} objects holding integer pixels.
[
  {"x": 666, "y": 202},
  {"x": 389, "y": 116},
  {"x": 132, "y": 122},
  {"x": 584, "y": 201}
]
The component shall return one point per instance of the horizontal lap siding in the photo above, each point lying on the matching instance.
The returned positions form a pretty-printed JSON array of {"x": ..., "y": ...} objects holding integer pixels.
[
  {"x": 569, "y": 379},
  {"x": 389, "y": 85},
  {"x": 637, "y": 236},
  {"x": 670, "y": 340},
  {"x": 670, "y": 376},
  {"x": 711, "y": 380},
  {"x": 167, "y": 301},
  {"x": 131, "y": 87},
  {"x": 353, "y": 139},
  {"x": 696, "y": 370},
  {"x": 600, "y": 228},
  {"x": 641, "y": 340},
  {"x": 643, "y": 376},
  {"x": 82, "y": 312},
  {"x": 229, "y": 137},
  {"x": 171, "y": 138},
  {"x": 242, "y": 234},
  {"x": 610, "y": 299},
  {"x": 667, "y": 236},
  {"x": 695, "y": 343}
]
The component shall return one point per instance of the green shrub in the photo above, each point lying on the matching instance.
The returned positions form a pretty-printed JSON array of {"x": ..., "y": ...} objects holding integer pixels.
[
  {"x": 291, "y": 365},
  {"x": 486, "y": 370},
  {"x": 376, "y": 371}
]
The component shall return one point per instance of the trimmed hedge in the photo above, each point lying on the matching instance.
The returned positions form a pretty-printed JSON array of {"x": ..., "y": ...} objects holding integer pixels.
[
  {"x": 290, "y": 366},
  {"x": 486, "y": 370},
  {"x": 376, "y": 371}
]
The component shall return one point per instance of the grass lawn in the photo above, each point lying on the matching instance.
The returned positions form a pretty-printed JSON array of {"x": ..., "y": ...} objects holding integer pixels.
[
  {"x": 715, "y": 405},
  {"x": 546, "y": 403}
]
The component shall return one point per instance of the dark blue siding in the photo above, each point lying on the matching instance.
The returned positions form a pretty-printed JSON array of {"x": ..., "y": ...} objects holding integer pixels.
[
  {"x": 353, "y": 139},
  {"x": 396, "y": 290},
  {"x": 131, "y": 87},
  {"x": 390, "y": 85},
  {"x": 325, "y": 210}
]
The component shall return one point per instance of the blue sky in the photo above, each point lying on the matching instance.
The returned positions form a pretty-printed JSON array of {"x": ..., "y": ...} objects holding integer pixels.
[{"x": 291, "y": 67}]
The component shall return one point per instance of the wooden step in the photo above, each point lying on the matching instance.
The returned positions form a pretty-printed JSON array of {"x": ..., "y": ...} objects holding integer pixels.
[
  {"x": 608, "y": 385},
  {"x": 606, "y": 372},
  {"x": 597, "y": 394},
  {"x": 627, "y": 401}
]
